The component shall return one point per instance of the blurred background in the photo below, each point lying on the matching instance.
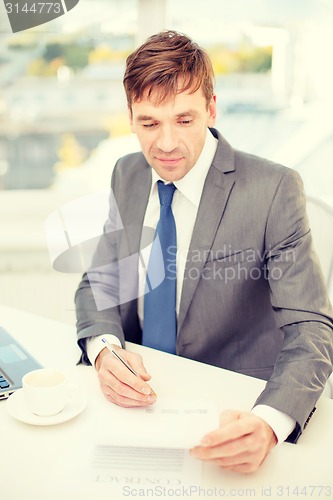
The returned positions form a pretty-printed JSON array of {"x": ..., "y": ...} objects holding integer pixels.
[{"x": 63, "y": 117}]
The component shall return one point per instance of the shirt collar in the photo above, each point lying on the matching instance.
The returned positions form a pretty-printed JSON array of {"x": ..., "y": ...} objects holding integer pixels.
[{"x": 191, "y": 185}]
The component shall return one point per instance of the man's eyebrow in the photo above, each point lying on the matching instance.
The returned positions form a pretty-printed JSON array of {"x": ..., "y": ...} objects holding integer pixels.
[
  {"x": 189, "y": 112},
  {"x": 145, "y": 118}
]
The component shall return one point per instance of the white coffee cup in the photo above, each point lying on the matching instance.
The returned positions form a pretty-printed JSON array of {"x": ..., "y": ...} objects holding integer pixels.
[{"x": 46, "y": 391}]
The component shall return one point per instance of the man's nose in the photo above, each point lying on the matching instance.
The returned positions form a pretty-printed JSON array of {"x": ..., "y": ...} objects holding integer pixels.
[{"x": 166, "y": 140}]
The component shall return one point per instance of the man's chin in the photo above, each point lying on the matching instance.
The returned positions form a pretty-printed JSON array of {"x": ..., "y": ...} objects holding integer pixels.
[
  {"x": 170, "y": 173},
  {"x": 171, "y": 176}
]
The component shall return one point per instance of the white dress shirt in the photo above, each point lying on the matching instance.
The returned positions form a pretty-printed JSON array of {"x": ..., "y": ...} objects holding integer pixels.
[{"x": 185, "y": 205}]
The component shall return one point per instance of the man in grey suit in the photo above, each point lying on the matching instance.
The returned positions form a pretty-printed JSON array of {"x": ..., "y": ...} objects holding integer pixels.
[{"x": 249, "y": 292}]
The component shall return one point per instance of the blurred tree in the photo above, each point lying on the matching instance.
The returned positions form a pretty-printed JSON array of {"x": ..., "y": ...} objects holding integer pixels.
[
  {"x": 224, "y": 60},
  {"x": 71, "y": 154},
  {"x": 252, "y": 58},
  {"x": 73, "y": 54},
  {"x": 53, "y": 50},
  {"x": 104, "y": 53},
  {"x": 77, "y": 56},
  {"x": 245, "y": 59},
  {"x": 118, "y": 125},
  {"x": 40, "y": 67}
]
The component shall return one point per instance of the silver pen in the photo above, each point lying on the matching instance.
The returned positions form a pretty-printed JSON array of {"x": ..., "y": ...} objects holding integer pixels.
[{"x": 121, "y": 359}]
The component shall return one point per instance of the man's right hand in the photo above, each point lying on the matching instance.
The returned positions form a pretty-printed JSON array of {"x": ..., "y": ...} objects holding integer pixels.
[{"x": 118, "y": 384}]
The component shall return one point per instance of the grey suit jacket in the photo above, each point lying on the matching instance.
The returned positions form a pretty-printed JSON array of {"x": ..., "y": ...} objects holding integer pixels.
[{"x": 253, "y": 297}]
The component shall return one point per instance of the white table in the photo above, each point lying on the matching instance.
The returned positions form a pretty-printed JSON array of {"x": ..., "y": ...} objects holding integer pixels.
[{"x": 31, "y": 454}]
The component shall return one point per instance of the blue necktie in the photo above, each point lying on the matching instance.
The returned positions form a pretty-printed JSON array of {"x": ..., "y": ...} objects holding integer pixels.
[{"x": 159, "y": 322}]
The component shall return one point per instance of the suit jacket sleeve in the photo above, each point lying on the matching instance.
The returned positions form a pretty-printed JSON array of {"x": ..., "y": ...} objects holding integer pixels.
[
  {"x": 301, "y": 307},
  {"x": 97, "y": 298}
]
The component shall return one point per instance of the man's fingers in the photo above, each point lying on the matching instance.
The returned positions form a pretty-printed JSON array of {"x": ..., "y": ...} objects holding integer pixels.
[
  {"x": 112, "y": 370},
  {"x": 143, "y": 375},
  {"x": 125, "y": 395},
  {"x": 231, "y": 427},
  {"x": 122, "y": 375},
  {"x": 240, "y": 444},
  {"x": 245, "y": 468},
  {"x": 232, "y": 450},
  {"x": 125, "y": 400},
  {"x": 228, "y": 416},
  {"x": 124, "y": 388},
  {"x": 135, "y": 362},
  {"x": 120, "y": 385}
]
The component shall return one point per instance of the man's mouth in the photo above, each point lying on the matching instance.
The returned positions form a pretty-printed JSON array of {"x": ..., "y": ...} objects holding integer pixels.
[{"x": 169, "y": 161}]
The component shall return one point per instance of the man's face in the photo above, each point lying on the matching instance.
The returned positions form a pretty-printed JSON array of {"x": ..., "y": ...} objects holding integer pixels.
[{"x": 172, "y": 134}]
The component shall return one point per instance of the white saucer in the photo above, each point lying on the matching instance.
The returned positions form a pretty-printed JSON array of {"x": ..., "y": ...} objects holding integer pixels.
[{"x": 16, "y": 408}]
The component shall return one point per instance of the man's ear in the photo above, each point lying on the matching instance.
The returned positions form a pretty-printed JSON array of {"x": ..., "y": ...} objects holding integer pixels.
[
  {"x": 130, "y": 117},
  {"x": 212, "y": 111}
]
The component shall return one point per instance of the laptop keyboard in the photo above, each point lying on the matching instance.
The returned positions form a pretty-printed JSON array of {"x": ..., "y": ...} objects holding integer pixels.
[{"x": 3, "y": 382}]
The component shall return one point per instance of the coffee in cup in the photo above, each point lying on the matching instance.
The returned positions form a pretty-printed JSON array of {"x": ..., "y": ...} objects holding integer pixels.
[{"x": 46, "y": 391}]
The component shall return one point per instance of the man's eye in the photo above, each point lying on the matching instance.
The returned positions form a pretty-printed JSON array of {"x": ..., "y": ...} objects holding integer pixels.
[
  {"x": 149, "y": 125},
  {"x": 185, "y": 122}
]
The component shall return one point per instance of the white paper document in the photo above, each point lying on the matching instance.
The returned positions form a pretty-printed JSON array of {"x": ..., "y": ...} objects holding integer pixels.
[
  {"x": 143, "y": 448},
  {"x": 169, "y": 423}
]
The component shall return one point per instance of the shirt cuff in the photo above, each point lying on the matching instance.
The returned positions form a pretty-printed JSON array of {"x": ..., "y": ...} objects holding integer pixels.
[
  {"x": 281, "y": 423},
  {"x": 94, "y": 345}
]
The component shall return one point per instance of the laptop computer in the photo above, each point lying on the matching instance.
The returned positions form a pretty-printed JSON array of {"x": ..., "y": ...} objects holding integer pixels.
[{"x": 15, "y": 362}]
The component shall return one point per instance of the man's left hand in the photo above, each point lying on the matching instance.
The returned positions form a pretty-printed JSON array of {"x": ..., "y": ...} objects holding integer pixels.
[{"x": 240, "y": 444}]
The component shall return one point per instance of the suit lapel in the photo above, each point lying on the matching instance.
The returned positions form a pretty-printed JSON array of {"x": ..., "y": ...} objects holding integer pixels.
[
  {"x": 217, "y": 188},
  {"x": 132, "y": 208}
]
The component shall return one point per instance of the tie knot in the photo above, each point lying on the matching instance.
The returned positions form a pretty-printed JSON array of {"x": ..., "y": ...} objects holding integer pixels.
[{"x": 165, "y": 193}]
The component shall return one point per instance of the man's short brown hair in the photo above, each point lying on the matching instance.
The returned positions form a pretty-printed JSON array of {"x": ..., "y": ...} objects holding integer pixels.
[{"x": 165, "y": 61}]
